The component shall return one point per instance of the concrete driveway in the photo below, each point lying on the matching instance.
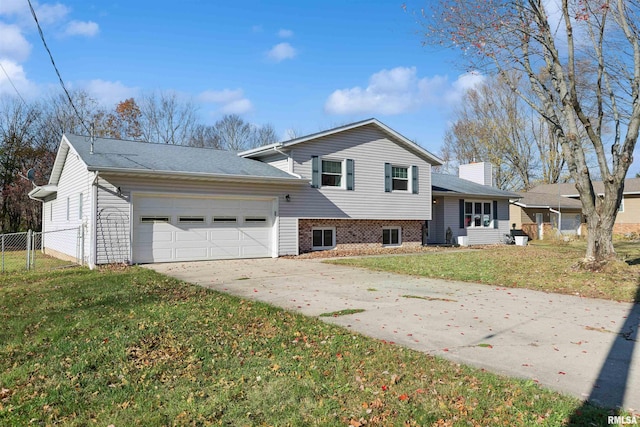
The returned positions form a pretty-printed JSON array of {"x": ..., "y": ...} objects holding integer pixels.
[{"x": 579, "y": 346}]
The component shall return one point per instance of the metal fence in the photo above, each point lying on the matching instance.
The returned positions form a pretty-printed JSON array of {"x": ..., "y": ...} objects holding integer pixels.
[{"x": 32, "y": 250}]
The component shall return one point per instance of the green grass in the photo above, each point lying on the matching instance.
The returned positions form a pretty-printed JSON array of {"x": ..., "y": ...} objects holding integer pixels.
[
  {"x": 541, "y": 266},
  {"x": 14, "y": 261},
  {"x": 344, "y": 312},
  {"x": 131, "y": 347}
]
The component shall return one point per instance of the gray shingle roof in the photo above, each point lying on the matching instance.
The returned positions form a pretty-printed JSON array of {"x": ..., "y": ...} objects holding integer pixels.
[
  {"x": 453, "y": 184},
  {"x": 548, "y": 200},
  {"x": 116, "y": 154},
  {"x": 631, "y": 185}
]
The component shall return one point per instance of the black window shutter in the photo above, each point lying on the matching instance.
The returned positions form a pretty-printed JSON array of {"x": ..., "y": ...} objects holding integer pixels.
[
  {"x": 414, "y": 179},
  {"x": 349, "y": 174},
  {"x": 387, "y": 177},
  {"x": 495, "y": 209},
  {"x": 461, "y": 213},
  {"x": 315, "y": 171}
]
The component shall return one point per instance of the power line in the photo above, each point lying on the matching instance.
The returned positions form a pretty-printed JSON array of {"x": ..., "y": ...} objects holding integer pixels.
[
  {"x": 14, "y": 86},
  {"x": 33, "y": 13}
]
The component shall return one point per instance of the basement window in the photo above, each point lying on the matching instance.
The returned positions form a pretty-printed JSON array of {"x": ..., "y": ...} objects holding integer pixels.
[{"x": 391, "y": 236}]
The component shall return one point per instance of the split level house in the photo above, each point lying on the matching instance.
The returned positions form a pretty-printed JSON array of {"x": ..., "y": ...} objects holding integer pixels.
[
  {"x": 549, "y": 209},
  {"x": 357, "y": 185}
]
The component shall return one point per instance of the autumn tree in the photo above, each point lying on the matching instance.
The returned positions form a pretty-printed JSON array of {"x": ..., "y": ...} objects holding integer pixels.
[
  {"x": 125, "y": 121},
  {"x": 550, "y": 43}
]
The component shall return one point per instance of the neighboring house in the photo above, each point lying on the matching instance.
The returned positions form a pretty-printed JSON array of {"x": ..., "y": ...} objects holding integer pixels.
[
  {"x": 135, "y": 202},
  {"x": 541, "y": 203},
  {"x": 476, "y": 212},
  {"x": 537, "y": 214}
]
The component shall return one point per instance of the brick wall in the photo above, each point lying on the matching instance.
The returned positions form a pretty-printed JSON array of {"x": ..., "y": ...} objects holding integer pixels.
[
  {"x": 359, "y": 233},
  {"x": 626, "y": 228}
]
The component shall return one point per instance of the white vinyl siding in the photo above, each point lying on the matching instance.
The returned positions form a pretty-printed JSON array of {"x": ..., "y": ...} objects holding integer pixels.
[
  {"x": 370, "y": 149},
  {"x": 277, "y": 160},
  {"x": 113, "y": 224},
  {"x": 67, "y": 210}
]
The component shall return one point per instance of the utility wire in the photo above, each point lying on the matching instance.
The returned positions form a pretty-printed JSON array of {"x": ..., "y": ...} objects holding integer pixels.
[
  {"x": 10, "y": 81},
  {"x": 33, "y": 12}
]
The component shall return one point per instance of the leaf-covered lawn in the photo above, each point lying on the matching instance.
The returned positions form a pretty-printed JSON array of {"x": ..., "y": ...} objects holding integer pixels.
[
  {"x": 128, "y": 347},
  {"x": 545, "y": 267}
]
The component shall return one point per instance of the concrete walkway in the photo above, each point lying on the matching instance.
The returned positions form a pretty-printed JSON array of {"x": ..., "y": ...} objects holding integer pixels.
[{"x": 579, "y": 346}]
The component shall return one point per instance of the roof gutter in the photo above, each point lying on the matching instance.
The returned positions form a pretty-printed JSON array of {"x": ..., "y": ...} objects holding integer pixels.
[
  {"x": 288, "y": 156},
  {"x": 201, "y": 176}
]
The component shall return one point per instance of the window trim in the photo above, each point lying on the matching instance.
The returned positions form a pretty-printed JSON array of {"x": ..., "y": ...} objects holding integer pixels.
[
  {"x": 407, "y": 179},
  {"x": 621, "y": 207},
  {"x": 342, "y": 175},
  {"x": 68, "y": 208},
  {"x": 333, "y": 238},
  {"x": 80, "y": 206},
  {"x": 224, "y": 220},
  {"x": 471, "y": 217},
  {"x": 255, "y": 220},
  {"x": 390, "y": 229},
  {"x": 192, "y": 219},
  {"x": 154, "y": 219}
]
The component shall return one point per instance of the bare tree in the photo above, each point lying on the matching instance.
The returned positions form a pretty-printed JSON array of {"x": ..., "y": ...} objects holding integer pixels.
[
  {"x": 492, "y": 124},
  {"x": 552, "y": 44},
  {"x": 264, "y": 135},
  {"x": 237, "y": 135},
  {"x": 166, "y": 119},
  {"x": 20, "y": 148},
  {"x": 204, "y": 136}
]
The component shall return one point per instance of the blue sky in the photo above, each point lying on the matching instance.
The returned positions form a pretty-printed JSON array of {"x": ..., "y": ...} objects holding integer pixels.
[{"x": 305, "y": 66}]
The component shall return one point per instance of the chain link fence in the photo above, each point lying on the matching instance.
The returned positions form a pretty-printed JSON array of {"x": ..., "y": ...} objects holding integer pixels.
[{"x": 32, "y": 250}]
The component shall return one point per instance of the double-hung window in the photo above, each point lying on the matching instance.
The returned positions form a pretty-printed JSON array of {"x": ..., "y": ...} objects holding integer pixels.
[
  {"x": 331, "y": 173},
  {"x": 327, "y": 172},
  {"x": 400, "y": 178}
]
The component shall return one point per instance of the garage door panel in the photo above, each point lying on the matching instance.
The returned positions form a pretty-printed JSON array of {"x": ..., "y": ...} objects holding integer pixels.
[
  {"x": 201, "y": 228},
  {"x": 185, "y": 254}
]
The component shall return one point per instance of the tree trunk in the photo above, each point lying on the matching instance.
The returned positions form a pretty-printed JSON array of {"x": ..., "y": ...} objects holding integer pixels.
[{"x": 599, "y": 241}]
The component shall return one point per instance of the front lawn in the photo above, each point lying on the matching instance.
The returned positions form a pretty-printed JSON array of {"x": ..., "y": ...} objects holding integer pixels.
[
  {"x": 128, "y": 347},
  {"x": 540, "y": 266}
]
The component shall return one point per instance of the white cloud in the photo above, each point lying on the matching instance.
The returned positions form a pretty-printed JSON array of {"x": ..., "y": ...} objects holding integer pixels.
[
  {"x": 399, "y": 90},
  {"x": 82, "y": 28},
  {"x": 285, "y": 34},
  {"x": 18, "y": 77},
  {"x": 108, "y": 93},
  {"x": 239, "y": 106},
  {"x": 14, "y": 46},
  {"x": 281, "y": 51},
  {"x": 463, "y": 83},
  {"x": 51, "y": 13},
  {"x": 230, "y": 101}
]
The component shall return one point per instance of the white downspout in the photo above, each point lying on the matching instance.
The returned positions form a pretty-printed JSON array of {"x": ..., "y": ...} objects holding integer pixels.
[
  {"x": 290, "y": 171},
  {"x": 93, "y": 255},
  {"x": 559, "y": 219}
]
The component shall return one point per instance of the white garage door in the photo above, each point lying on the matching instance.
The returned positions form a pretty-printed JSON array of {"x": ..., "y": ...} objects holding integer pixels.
[{"x": 169, "y": 228}]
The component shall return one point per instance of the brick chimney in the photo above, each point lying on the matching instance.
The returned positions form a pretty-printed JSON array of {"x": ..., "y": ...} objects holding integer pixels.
[{"x": 480, "y": 173}]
